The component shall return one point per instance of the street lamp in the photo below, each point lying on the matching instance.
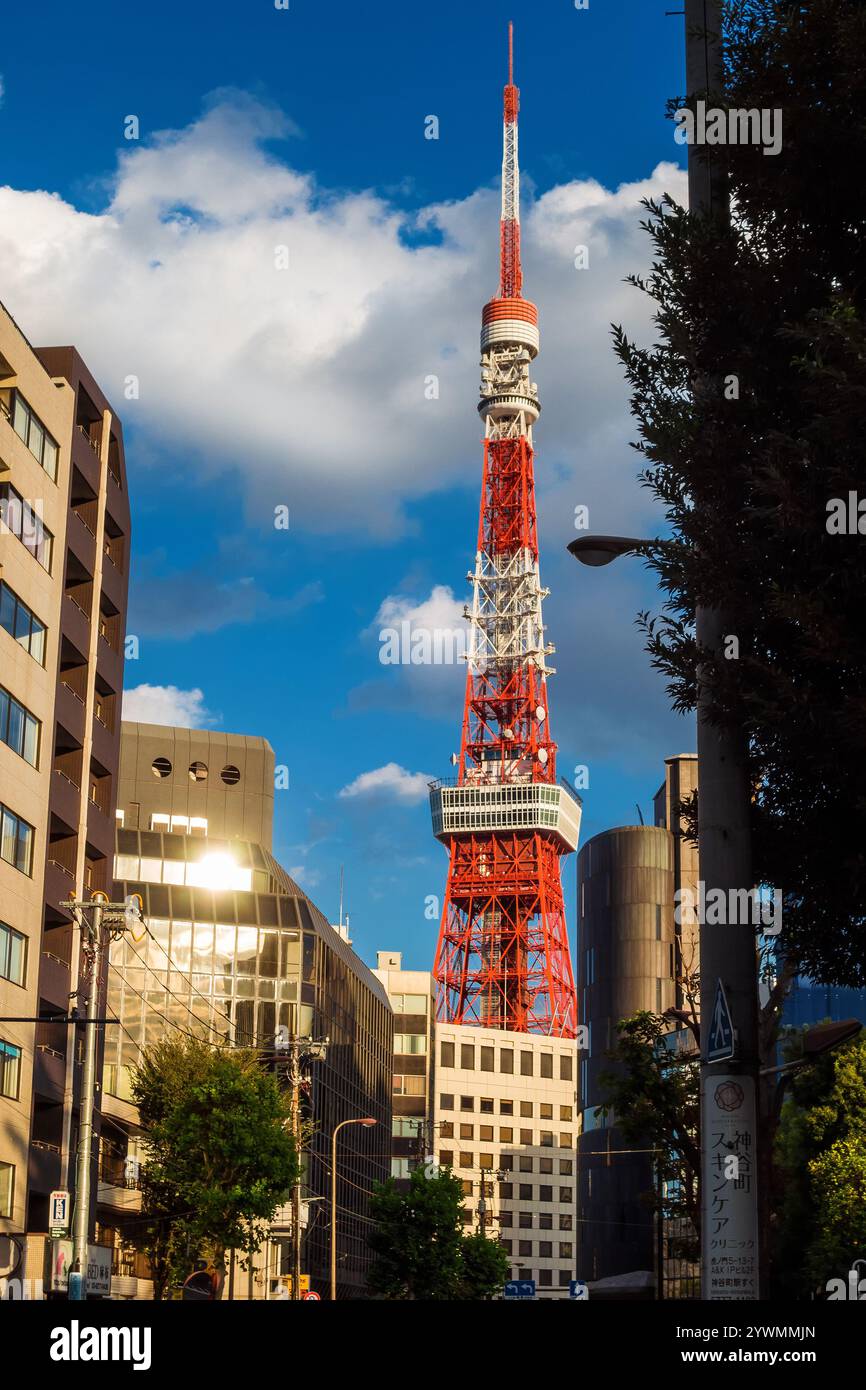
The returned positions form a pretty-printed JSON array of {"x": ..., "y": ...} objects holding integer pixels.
[
  {"x": 600, "y": 550},
  {"x": 367, "y": 1121}
]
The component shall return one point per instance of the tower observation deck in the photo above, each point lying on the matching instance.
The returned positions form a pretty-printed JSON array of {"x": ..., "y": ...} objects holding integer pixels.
[{"x": 503, "y": 959}]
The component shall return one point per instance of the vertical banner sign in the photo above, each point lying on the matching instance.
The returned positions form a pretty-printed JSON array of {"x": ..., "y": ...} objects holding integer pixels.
[{"x": 729, "y": 1187}]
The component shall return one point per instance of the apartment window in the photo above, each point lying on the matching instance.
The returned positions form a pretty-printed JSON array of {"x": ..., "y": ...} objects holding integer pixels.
[
  {"x": 526, "y": 1136},
  {"x": 545, "y": 1221},
  {"x": 467, "y": 1056},
  {"x": 466, "y": 1187},
  {"x": 506, "y": 1191},
  {"x": 545, "y": 1063},
  {"x": 7, "y": 1189},
  {"x": 446, "y": 1130},
  {"x": 565, "y": 1250},
  {"x": 486, "y": 1132},
  {"x": 506, "y": 1162},
  {"x": 19, "y": 729},
  {"x": 526, "y": 1062},
  {"x": 405, "y": 1127},
  {"x": 506, "y": 1135},
  {"x": 467, "y": 1102},
  {"x": 506, "y": 1060},
  {"x": 466, "y": 1160},
  {"x": 22, "y": 624},
  {"x": 547, "y": 1138},
  {"x": 564, "y": 1278},
  {"x": 526, "y": 1192},
  {"x": 526, "y": 1109},
  {"x": 565, "y": 1113},
  {"x": 446, "y": 1054},
  {"x": 485, "y": 1161},
  {"x": 30, "y": 428},
  {"x": 410, "y": 1044},
  {"x": 525, "y": 1163},
  {"x": 565, "y": 1068},
  {"x": 10, "y": 1070},
  {"x": 13, "y": 954},
  {"x": 524, "y": 1220},
  {"x": 446, "y": 1101},
  {"x": 467, "y": 1131},
  {"x": 524, "y": 1247},
  {"x": 565, "y": 1194},
  {"x": 506, "y": 1246},
  {"x": 565, "y": 1221},
  {"x": 409, "y": 1003},
  {"x": 545, "y": 1165},
  {"x": 402, "y": 1167},
  {"x": 545, "y": 1112},
  {"x": 506, "y": 1107},
  {"x": 545, "y": 1250},
  {"x": 545, "y": 1193},
  {"x": 487, "y": 1058},
  {"x": 506, "y": 1218},
  {"x": 21, "y": 519},
  {"x": 408, "y": 1085},
  {"x": 566, "y": 1167},
  {"x": 485, "y": 1105},
  {"x": 16, "y": 841},
  {"x": 446, "y": 1158},
  {"x": 565, "y": 1141},
  {"x": 545, "y": 1278}
]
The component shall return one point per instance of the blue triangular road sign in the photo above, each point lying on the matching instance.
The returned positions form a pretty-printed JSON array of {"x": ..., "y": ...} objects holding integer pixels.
[{"x": 721, "y": 1039}]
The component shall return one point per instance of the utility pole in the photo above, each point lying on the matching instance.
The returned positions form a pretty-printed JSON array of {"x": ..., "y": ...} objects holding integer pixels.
[
  {"x": 297, "y": 1052},
  {"x": 731, "y": 1257},
  {"x": 93, "y": 918}
]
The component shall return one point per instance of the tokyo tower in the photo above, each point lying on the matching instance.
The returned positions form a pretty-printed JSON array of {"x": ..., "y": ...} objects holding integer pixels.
[{"x": 503, "y": 959}]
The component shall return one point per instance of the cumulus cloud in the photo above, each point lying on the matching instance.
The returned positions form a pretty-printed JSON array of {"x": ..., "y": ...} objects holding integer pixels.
[
  {"x": 307, "y": 384},
  {"x": 391, "y": 781},
  {"x": 166, "y": 704}
]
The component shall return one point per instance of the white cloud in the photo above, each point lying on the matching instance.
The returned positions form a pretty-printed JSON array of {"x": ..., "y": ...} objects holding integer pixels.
[
  {"x": 166, "y": 704},
  {"x": 391, "y": 781},
  {"x": 441, "y": 611},
  {"x": 314, "y": 376}
]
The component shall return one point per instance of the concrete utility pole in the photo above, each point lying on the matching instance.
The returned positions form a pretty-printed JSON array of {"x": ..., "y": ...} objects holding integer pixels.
[
  {"x": 300, "y": 1051},
  {"x": 93, "y": 918},
  {"x": 731, "y": 1258}
]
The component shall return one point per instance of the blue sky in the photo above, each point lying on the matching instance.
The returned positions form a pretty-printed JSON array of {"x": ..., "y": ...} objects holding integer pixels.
[{"x": 303, "y": 387}]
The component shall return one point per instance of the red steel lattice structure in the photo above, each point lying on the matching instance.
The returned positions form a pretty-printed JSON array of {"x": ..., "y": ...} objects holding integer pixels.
[{"x": 503, "y": 959}]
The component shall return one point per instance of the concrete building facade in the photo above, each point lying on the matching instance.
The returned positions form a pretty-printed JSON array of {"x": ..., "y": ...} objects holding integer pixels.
[
  {"x": 412, "y": 995},
  {"x": 505, "y": 1123},
  {"x": 64, "y": 546}
]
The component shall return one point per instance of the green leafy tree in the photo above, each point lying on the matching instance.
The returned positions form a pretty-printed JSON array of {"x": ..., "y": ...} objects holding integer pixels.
[
  {"x": 654, "y": 1095},
  {"x": 820, "y": 1224},
  {"x": 750, "y": 408},
  {"x": 486, "y": 1268},
  {"x": 419, "y": 1246},
  {"x": 219, "y": 1157}
]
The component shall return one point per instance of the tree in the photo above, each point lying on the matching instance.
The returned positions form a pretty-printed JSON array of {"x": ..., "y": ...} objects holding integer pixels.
[
  {"x": 420, "y": 1249},
  {"x": 820, "y": 1224},
  {"x": 219, "y": 1157},
  {"x": 751, "y": 409},
  {"x": 486, "y": 1268},
  {"x": 654, "y": 1094}
]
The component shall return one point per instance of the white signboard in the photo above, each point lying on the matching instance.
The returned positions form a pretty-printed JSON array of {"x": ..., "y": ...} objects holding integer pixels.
[
  {"x": 58, "y": 1212},
  {"x": 98, "y": 1267},
  {"x": 730, "y": 1201}
]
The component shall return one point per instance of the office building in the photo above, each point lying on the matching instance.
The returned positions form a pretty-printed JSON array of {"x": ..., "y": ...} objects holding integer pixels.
[
  {"x": 505, "y": 1123},
  {"x": 64, "y": 545},
  {"x": 237, "y": 951},
  {"x": 412, "y": 997}
]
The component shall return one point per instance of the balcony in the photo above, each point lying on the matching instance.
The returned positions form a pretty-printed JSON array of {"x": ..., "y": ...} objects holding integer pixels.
[
  {"x": 65, "y": 797},
  {"x": 54, "y": 980},
  {"x": 49, "y": 1072},
  {"x": 44, "y": 1166}
]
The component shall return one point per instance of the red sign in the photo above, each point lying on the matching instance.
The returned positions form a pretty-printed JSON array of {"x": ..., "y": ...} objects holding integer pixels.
[{"x": 311, "y": 1296}]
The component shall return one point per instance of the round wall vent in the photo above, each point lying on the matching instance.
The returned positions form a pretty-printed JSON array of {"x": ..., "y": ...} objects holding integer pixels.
[
  {"x": 230, "y": 775},
  {"x": 161, "y": 767},
  {"x": 198, "y": 772}
]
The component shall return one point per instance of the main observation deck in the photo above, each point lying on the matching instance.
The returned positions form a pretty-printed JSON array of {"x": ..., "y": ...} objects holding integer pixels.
[{"x": 479, "y": 808}]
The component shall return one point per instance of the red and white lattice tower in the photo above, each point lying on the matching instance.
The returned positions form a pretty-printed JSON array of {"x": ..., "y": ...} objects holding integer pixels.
[{"x": 503, "y": 959}]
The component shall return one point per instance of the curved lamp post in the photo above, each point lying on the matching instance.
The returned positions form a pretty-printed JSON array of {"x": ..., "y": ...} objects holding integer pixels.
[
  {"x": 367, "y": 1121},
  {"x": 600, "y": 550}
]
